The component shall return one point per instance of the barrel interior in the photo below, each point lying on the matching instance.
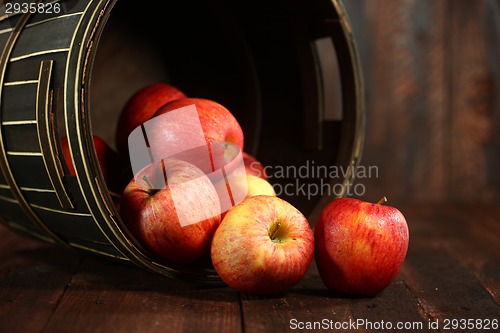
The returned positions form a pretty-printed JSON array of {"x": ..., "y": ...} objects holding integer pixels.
[{"x": 271, "y": 63}]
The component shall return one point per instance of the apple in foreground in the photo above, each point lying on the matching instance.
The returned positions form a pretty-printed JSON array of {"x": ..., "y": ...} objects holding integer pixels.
[
  {"x": 253, "y": 166},
  {"x": 217, "y": 122},
  {"x": 141, "y": 107},
  {"x": 264, "y": 245},
  {"x": 175, "y": 218},
  {"x": 360, "y": 246}
]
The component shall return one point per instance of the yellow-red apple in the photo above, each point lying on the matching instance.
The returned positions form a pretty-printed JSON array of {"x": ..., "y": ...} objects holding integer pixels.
[
  {"x": 258, "y": 186},
  {"x": 264, "y": 245}
]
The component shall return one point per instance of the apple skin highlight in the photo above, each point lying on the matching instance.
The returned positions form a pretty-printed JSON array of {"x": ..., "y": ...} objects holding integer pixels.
[{"x": 360, "y": 246}]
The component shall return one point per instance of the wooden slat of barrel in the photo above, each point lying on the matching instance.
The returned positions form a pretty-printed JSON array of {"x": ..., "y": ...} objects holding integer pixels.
[
  {"x": 5, "y": 191},
  {"x": 20, "y": 103},
  {"x": 96, "y": 247},
  {"x": 6, "y": 22},
  {"x": 29, "y": 170},
  {"x": 45, "y": 37},
  {"x": 46, "y": 198},
  {"x": 50, "y": 16},
  {"x": 14, "y": 216},
  {"x": 41, "y": 197},
  {"x": 76, "y": 225},
  {"x": 27, "y": 69},
  {"x": 20, "y": 137},
  {"x": 19, "y": 120},
  {"x": 3, "y": 36}
]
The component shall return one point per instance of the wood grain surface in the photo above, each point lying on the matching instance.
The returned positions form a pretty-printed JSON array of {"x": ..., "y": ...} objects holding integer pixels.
[{"x": 451, "y": 272}]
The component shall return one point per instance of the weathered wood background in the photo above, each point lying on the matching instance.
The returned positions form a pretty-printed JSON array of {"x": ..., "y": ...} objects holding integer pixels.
[
  {"x": 432, "y": 75},
  {"x": 432, "y": 82}
]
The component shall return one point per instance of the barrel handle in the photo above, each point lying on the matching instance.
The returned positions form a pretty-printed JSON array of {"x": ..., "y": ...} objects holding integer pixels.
[{"x": 47, "y": 134}]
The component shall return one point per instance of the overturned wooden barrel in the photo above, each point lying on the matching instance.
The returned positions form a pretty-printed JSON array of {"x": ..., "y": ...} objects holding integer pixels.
[{"x": 47, "y": 72}]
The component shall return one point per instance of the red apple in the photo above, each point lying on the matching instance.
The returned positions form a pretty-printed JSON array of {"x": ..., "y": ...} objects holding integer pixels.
[
  {"x": 141, "y": 107},
  {"x": 217, "y": 122},
  {"x": 264, "y": 245},
  {"x": 360, "y": 246},
  {"x": 178, "y": 134},
  {"x": 174, "y": 218},
  {"x": 196, "y": 130},
  {"x": 253, "y": 166}
]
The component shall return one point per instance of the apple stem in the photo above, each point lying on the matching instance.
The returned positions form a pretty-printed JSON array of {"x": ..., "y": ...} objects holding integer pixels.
[
  {"x": 382, "y": 201},
  {"x": 274, "y": 230}
]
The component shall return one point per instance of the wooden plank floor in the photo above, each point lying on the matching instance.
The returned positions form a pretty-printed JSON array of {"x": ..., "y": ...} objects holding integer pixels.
[{"x": 452, "y": 271}]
